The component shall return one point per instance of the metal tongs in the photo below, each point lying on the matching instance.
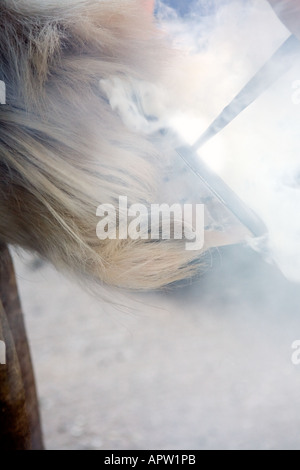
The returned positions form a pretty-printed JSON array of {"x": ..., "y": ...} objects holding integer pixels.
[{"x": 283, "y": 59}]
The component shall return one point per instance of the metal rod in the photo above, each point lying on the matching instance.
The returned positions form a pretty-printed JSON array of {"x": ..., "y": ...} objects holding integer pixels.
[
  {"x": 223, "y": 192},
  {"x": 278, "y": 64}
]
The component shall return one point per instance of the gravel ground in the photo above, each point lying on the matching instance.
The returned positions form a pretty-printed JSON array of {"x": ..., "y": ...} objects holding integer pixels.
[{"x": 203, "y": 367}]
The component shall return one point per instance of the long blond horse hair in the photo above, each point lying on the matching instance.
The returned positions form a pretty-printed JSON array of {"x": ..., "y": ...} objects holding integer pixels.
[{"x": 64, "y": 151}]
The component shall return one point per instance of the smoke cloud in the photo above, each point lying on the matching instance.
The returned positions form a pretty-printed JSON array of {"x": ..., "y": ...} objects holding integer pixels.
[{"x": 223, "y": 45}]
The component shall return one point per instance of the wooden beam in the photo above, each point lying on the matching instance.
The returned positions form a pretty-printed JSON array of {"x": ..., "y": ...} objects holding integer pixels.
[{"x": 20, "y": 427}]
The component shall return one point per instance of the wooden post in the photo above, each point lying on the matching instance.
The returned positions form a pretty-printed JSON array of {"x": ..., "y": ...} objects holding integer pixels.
[{"x": 20, "y": 427}]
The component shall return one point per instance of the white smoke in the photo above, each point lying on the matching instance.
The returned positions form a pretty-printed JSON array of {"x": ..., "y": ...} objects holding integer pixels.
[{"x": 258, "y": 153}]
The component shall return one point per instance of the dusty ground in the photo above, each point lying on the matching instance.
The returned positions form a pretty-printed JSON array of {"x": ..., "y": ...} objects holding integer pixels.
[{"x": 204, "y": 367}]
